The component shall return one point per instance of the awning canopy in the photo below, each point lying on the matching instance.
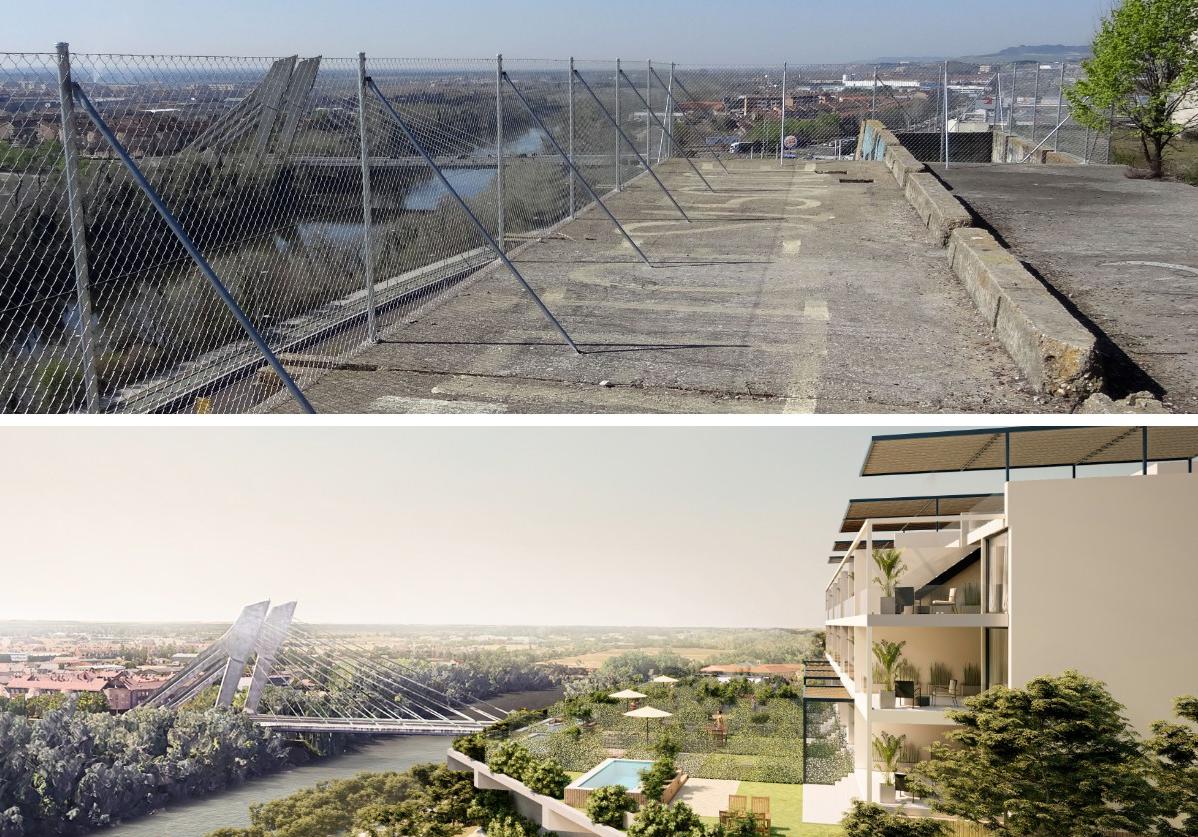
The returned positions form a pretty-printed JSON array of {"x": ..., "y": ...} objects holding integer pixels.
[
  {"x": 995, "y": 449},
  {"x": 943, "y": 505},
  {"x": 931, "y": 506}
]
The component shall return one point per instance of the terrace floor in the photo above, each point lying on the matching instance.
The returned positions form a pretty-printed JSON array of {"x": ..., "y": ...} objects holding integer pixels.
[
  {"x": 809, "y": 287},
  {"x": 1123, "y": 252}
]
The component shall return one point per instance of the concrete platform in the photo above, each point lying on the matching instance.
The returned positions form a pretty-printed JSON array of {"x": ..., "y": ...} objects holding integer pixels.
[
  {"x": 812, "y": 287},
  {"x": 1123, "y": 253}
]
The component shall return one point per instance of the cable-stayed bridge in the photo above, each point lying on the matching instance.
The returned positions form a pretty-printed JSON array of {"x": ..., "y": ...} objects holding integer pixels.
[{"x": 300, "y": 680}]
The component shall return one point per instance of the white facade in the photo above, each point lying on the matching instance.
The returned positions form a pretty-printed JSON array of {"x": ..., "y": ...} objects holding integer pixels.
[{"x": 1096, "y": 574}]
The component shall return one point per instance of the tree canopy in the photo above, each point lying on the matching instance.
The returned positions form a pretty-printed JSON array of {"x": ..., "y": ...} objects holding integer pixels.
[
  {"x": 1144, "y": 70},
  {"x": 1175, "y": 749},
  {"x": 1054, "y": 758}
]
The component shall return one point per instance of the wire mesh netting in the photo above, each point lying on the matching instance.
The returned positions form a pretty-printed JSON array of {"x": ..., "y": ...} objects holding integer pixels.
[
  {"x": 1036, "y": 110},
  {"x": 261, "y": 161}
]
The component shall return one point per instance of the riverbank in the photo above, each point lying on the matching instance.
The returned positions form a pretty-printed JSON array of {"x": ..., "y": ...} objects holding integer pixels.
[{"x": 197, "y": 817}]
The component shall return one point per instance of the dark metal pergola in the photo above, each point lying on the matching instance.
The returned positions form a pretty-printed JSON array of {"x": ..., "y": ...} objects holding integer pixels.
[{"x": 1010, "y": 448}]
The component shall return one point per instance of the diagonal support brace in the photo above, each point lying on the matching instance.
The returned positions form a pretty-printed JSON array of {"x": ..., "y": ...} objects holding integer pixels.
[
  {"x": 661, "y": 125},
  {"x": 403, "y": 126},
  {"x": 632, "y": 145},
  {"x": 191, "y": 248},
  {"x": 691, "y": 96},
  {"x": 574, "y": 169}
]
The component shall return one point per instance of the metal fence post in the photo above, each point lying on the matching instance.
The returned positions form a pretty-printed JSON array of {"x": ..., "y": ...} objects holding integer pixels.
[
  {"x": 667, "y": 138},
  {"x": 499, "y": 237},
  {"x": 1056, "y": 145},
  {"x": 1110, "y": 136},
  {"x": 996, "y": 119},
  {"x": 619, "y": 147},
  {"x": 83, "y": 296},
  {"x": 1036, "y": 104},
  {"x": 1014, "y": 103},
  {"x": 571, "y": 137},
  {"x": 946, "y": 114},
  {"x": 649, "y": 110},
  {"x": 372, "y": 333},
  {"x": 873, "y": 98},
  {"x": 782, "y": 124}
]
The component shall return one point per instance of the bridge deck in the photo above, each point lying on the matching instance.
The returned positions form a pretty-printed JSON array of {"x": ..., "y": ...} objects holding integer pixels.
[
  {"x": 812, "y": 287},
  {"x": 370, "y": 726}
]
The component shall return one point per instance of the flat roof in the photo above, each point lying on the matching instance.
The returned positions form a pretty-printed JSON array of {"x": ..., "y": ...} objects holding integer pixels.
[{"x": 1029, "y": 447}]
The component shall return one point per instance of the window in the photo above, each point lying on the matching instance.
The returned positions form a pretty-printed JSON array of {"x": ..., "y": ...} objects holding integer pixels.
[
  {"x": 998, "y": 574},
  {"x": 996, "y": 657}
]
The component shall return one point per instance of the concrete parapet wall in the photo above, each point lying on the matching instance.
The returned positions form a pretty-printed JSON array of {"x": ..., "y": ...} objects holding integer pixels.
[
  {"x": 1056, "y": 353},
  {"x": 551, "y": 814},
  {"x": 877, "y": 142},
  {"x": 1009, "y": 148},
  {"x": 940, "y": 211}
]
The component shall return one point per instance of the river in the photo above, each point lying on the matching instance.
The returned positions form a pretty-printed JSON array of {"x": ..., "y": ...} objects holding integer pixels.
[{"x": 197, "y": 817}]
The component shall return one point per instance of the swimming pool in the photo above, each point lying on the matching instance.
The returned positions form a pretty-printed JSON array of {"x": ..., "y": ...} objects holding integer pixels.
[{"x": 626, "y": 772}]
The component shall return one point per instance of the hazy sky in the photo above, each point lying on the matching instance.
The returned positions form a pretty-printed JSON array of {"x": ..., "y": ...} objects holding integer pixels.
[
  {"x": 645, "y": 526},
  {"x": 689, "y": 31}
]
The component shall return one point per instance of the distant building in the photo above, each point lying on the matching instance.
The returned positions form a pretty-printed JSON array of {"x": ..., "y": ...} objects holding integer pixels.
[{"x": 122, "y": 690}]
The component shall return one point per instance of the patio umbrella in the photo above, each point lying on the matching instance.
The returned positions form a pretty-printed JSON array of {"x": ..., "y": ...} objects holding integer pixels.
[
  {"x": 664, "y": 678},
  {"x": 648, "y": 712},
  {"x": 627, "y": 694}
]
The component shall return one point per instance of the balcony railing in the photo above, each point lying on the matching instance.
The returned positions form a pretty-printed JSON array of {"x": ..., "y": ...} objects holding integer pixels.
[{"x": 852, "y": 591}]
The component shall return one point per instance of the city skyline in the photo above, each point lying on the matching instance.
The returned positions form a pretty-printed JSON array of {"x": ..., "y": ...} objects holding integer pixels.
[{"x": 668, "y": 30}]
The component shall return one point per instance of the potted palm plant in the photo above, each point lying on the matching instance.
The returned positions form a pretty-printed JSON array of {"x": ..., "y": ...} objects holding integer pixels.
[
  {"x": 887, "y": 749},
  {"x": 890, "y": 569},
  {"x": 889, "y": 656}
]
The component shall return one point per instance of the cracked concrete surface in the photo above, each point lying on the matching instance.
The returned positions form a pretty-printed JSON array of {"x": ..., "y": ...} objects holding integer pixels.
[{"x": 790, "y": 291}]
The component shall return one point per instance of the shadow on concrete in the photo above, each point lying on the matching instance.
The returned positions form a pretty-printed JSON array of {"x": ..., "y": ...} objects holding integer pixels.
[
  {"x": 1121, "y": 375},
  {"x": 586, "y": 348}
]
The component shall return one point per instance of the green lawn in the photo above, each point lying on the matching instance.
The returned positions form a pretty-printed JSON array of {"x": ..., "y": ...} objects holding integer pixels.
[{"x": 786, "y": 810}]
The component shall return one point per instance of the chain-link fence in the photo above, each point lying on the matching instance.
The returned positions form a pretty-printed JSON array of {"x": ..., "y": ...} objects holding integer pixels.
[
  {"x": 264, "y": 164},
  {"x": 1035, "y": 109}
]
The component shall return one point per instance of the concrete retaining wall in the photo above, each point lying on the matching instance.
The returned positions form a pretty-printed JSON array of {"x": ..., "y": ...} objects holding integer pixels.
[
  {"x": 940, "y": 211},
  {"x": 1054, "y": 351},
  {"x": 1012, "y": 149},
  {"x": 551, "y": 814},
  {"x": 877, "y": 142}
]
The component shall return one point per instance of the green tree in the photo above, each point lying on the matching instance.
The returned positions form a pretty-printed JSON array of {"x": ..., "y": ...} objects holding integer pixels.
[
  {"x": 512, "y": 825},
  {"x": 1056, "y": 759},
  {"x": 655, "y": 780},
  {"x": 869, "y": 820},
  {"x": 739, "y": 827},
  {"x": 1144, "y": 68},
  {"x": 92, "y": 702},
  {"x": 472, "y": 746},
  {"x": 1174, "y": 747},
  {"x": 509, "y": 758},
  {"x": 547, "y": 777},
  {"x": 657, "y": 820},
  {"x": 607, "y": 805}
]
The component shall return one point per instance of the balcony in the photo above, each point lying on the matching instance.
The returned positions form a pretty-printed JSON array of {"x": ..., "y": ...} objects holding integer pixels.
[{"x": 930, "y": 569}]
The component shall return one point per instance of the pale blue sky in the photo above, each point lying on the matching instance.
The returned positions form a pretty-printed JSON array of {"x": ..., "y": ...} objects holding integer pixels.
[
  {"x": 641, "y": 526},
  {"x": 687, "y": 31}
]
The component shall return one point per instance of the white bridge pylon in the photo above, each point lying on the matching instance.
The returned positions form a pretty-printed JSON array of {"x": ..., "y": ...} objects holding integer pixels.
[{"x": 302, "y": 681}]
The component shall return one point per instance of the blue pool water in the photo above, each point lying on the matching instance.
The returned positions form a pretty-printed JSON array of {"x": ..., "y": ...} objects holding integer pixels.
[{"x": 626, "y": 772}]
